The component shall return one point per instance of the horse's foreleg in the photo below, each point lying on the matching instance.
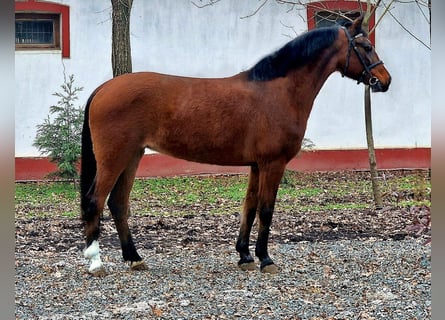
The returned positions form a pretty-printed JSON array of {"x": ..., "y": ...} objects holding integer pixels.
[
  {"x": 118, "y": 203},
  {"x": 270, "y": 177},
  {"x": 246, "y": 261}
]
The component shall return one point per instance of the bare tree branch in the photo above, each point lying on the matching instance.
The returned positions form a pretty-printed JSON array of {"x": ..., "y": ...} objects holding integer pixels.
[
  {"x": 289, "y": 27},
  {"x": 370, "y": 10},
  {"x": 210, "y": 3},
  {"x": 291, "y": 2},
  {"x": 418, "y": 3},
  {"x": 376, "y": 5},
  {"x": 388, "y": 10},
  {"x": 256, "y": 11},
  {"x": 382, "y": 15}
]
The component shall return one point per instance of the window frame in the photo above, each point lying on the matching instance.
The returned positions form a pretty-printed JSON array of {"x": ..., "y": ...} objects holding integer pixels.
[
  {"x": 338, "y": 5},
  {"x": 42, "y": 10},
  {"x": 54, "y": 18}
]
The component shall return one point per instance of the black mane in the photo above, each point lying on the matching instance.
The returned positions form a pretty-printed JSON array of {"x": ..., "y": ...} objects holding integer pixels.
[{"x": 294, "y": 54}]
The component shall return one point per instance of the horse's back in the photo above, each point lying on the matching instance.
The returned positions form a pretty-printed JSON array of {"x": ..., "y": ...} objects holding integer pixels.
[{"x": 162, "y": 89}]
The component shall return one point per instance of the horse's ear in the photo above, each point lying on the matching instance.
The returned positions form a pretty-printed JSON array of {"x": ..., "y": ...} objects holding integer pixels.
[{"x": 356, "y": 26}]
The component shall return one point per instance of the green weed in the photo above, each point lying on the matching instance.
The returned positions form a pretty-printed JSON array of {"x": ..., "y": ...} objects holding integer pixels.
[{"x": 300, "y": 192}]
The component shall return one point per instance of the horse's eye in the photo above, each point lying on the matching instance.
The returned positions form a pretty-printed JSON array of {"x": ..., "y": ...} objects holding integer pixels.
[{"x": 367, "y": 47}]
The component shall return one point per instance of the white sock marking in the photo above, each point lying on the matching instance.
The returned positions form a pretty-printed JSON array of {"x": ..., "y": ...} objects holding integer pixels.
[{"x": 93, "y": 253}]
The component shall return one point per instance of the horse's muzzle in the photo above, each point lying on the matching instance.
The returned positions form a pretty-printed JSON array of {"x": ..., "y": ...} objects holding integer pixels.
[{"x": 377, "y": 86}]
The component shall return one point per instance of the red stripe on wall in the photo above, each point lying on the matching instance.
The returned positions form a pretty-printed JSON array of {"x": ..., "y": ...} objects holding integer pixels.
[{"x": 158, "y": 165}]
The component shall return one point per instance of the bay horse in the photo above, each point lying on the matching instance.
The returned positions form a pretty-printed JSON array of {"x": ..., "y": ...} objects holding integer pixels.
[{"x": 256, "y": 118}]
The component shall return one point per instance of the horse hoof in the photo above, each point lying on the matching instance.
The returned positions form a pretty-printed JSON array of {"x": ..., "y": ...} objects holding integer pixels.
[
  {"x": 138, "y": 265},
  {"x": 270, "y": 268},
  {"x": 248, "y": 266}
]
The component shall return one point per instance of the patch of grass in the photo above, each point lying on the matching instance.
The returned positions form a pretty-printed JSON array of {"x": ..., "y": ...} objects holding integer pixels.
[
  {"x": 70, "y": 214},
  {"x": 189, "y": 190},
  {"x": 36, "y": 192},
  {"x": 46, "y": 199},
  {"x": 299, "y": 192},
  {"x": 412, "y": 203},
  {"x": 309, "y": 191},
  {"x": 337, "y": 206},
  {"x": 408, "y": 190}
]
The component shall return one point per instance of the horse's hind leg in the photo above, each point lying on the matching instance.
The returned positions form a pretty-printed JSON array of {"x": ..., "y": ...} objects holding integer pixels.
[
  {"x": 246, "y": 261},
  {"x": 92, "y": 208},
  {"x": 118, "y": 203}
]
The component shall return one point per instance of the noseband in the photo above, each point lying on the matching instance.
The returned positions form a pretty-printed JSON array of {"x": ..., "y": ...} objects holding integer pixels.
[{"x": 367, "y": 68}]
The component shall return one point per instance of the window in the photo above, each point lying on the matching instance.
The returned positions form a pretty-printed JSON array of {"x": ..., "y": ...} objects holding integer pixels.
[
  {"x": 328, "y": 18},
  {"x": 37, "y": 31},
  {"x": 42, "y": 25},
  {"x": 326, "y": 13}
]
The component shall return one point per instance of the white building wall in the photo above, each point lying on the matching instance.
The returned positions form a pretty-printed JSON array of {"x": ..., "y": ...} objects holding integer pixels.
[{"x": 176, "y": 37}]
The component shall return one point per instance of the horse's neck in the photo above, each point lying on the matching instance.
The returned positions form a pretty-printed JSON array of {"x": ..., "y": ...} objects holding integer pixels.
[
  {"x": 309, "y": 79},
  {"x": 318, "y": 71}
]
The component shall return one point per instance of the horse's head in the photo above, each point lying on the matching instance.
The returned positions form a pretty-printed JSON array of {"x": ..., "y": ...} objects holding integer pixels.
[{"x": 361, "y": 62}]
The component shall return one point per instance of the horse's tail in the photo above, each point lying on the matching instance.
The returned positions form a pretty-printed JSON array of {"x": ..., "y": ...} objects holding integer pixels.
[{"x": 88, "y": 165}]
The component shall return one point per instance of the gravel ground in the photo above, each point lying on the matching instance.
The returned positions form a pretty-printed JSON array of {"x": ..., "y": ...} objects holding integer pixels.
[
  {"x": 338, "y": 264},
  {"x": 367, "y": 278}
]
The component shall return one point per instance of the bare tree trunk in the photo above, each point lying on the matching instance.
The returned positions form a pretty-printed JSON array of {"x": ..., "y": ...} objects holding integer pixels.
[
  {"x": 371, "y": 150},
  {"x": 369, "y": 134},
  {"x": 121, "y": 50}
]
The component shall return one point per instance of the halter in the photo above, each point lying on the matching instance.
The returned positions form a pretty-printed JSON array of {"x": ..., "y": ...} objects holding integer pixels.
[{"x": 367, "y": 68}]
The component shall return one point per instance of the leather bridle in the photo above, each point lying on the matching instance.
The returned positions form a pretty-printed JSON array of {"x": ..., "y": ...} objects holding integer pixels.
[{"x": 367, "y": 68}]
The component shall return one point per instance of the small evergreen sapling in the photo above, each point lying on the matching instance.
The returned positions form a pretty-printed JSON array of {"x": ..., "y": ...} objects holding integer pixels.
[{"x": 59, "y": 136}]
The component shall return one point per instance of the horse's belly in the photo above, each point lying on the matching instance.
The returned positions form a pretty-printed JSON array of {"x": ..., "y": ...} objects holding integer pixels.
[{"x": 204, "y": 151}]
